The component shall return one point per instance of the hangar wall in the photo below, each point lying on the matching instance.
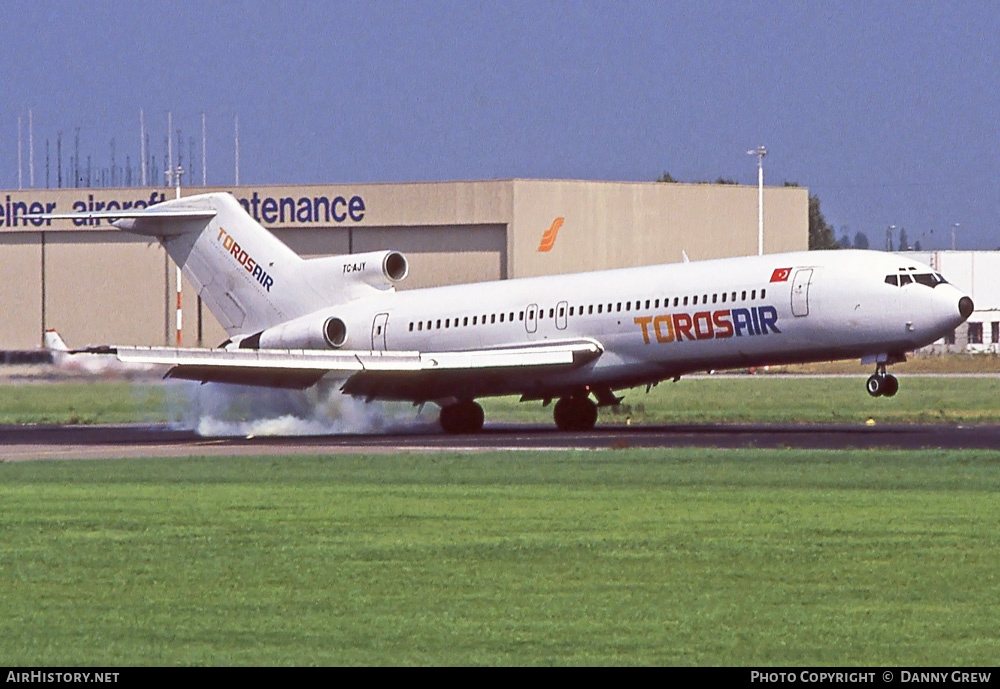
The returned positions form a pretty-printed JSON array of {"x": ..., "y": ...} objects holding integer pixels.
[
  {"x": 95, "y": 294},
  {"x": 21, "y": 289},
  {"x": 97, "y": 285},
  {"x": 620, "y": 224}
]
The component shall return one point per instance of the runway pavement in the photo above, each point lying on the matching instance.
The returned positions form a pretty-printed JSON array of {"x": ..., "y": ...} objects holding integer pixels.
[{"x": 20, "y": 443}]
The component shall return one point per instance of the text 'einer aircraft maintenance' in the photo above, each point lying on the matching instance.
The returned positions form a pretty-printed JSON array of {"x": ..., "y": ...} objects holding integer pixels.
[{"x": 568, "y": 337}]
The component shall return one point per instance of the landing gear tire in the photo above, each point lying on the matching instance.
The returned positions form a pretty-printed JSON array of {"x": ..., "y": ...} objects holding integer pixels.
[
  {"x": 882, "y": 384},
  {"x": 874, "y": 385},
  {"x": 462, "y": 417},
  {"x": 575, "y": 414},
  {"x": 891, "y": 386}
]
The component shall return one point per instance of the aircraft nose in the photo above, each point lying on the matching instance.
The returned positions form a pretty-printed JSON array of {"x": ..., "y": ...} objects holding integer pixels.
[{"x": 965, "y": 307}]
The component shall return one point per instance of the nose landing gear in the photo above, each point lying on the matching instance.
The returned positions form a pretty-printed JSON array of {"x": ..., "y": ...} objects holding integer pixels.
[{"x": 881, "y": 383}]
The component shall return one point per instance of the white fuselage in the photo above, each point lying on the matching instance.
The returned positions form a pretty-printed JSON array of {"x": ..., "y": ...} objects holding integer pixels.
[
  {"x": 659, "y": 322},
  {"x": 565, "y": 336}
]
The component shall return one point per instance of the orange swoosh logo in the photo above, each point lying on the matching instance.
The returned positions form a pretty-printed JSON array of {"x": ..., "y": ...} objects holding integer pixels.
[{"x": 549, "y": 238}]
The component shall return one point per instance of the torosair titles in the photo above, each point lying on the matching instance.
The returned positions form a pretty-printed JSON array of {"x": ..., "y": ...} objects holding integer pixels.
[
  {"x": 269, "y": 210},
  {"x": 708, "y": 325}
]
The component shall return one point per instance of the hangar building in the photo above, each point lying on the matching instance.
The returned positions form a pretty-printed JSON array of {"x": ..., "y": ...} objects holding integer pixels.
[{"x": 98, "y": 285}]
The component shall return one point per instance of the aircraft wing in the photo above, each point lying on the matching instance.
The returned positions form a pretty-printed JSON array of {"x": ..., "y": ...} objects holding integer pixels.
[{"x": 393, "y": 374}]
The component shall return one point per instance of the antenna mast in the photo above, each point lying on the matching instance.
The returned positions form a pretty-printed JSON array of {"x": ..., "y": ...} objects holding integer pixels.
[{"x": 237, "y": 150}]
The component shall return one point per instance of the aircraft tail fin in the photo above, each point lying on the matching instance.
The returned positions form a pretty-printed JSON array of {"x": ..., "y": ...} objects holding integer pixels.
[
  {"x": 54, "y": 342},
  {"x": 245, "y": 275},
  {"x": 248, "y": 278}
]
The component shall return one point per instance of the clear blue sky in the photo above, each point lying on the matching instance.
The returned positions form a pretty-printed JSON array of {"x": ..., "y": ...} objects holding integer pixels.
[{"x": 888, "y": 111}]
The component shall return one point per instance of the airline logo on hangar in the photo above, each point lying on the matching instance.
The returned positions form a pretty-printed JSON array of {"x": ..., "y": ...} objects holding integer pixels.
[{"x": 549, "y": 238}]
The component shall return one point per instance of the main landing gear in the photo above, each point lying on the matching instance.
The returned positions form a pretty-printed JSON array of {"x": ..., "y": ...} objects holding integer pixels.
[
  {"x": 462, "y": 417},
  {"x": 575, "y": 413},
  {"x": 881, "y": 383}
]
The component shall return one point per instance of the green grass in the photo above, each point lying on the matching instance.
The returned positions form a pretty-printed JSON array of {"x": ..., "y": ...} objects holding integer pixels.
[
  {"x": 691, "y": 557},
  {"x": 692, "y": 400},
  {"x": 729, "y": 399},
  {"x": 82, "y": 402}
]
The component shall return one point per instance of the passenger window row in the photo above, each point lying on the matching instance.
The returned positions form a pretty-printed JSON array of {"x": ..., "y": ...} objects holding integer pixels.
[
  {"x": 463, "y": 321},
  {"x": 590, "y": 309}
]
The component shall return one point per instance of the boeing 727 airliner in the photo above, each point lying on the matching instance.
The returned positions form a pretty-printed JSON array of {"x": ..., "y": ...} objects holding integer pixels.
[{"x": 573, "y": 338}]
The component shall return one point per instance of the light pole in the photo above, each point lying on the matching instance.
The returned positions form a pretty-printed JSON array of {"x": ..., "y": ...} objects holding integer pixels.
[
  {"x": 760, "y": 152},
  {"x": 953, "y": 228},
  {"x": 178, "y": 173}
]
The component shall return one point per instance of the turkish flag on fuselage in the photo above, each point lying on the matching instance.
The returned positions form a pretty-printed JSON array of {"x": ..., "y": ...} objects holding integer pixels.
[{"x": 780, "y": 274}]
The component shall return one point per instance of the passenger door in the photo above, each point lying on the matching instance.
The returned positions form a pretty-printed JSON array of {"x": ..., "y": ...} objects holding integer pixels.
[
  {"x": 561, "y": 309},
  {"x": 800, "y": 292},
  {"x": 378, "y": 332},
  {"x": 531, "y": 318}
]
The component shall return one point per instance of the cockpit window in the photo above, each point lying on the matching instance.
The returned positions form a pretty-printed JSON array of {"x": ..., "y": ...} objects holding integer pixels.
[
  {"x": 928, "y": 279},
  {"x": 907, "y": 278}
]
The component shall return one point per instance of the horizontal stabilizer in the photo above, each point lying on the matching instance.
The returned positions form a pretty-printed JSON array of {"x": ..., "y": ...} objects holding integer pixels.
[
  {"x": 128, "y": 213},
  {"x": 153, "y": 221}
]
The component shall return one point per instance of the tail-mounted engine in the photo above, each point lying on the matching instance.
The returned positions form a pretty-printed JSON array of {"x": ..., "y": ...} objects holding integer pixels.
[
  {"x": 309, "y": 332},
  {"x": 379, "y": 269},
  {"x": 339, "y": 279}
]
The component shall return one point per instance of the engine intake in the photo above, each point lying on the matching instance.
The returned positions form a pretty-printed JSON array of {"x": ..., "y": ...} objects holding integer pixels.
[
  {"x": 395, "y": 266},
  {"x": 335, "y": 332},
  {"x": 308, "y": 332}
]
